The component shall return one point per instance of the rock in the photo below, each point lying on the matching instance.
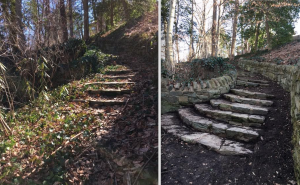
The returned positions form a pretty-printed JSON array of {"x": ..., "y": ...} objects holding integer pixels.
[
  {"x": 225, "y": 147},
  {"x": 239, "y": 99}
]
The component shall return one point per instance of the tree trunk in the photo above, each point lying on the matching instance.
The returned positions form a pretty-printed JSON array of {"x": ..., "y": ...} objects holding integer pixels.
[
  {"x": 47, "y": 22},
  {"x": 191, "y": 48},
  {"x": 20, "y": 24},
  {"x": 176, "y": 33},
  {"x": 126, "y": 12},
  {"x": 218, "y": 29},
  {"x": 234, "y": 27},
  {"x": 256, "y": 38},
  {"x": 63, "y": 20},
  {"x": 213, "y": 30},
  {"x": 95, "y": 15},
  {"x": 71, "y": 18},
  {"x": 268, "y": 32},
  {"x": 38, "y": 26},
  {"x": 111, "y": 13},
  {"x": 169, "y": 44},
  {"x": 101, "y": 17},
  {"x": 204, "y": 47},
  {"x": 86, "y": 19}
]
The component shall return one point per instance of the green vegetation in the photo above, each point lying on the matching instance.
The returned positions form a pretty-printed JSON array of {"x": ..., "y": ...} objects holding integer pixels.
[{"x": 200, "y": 69}]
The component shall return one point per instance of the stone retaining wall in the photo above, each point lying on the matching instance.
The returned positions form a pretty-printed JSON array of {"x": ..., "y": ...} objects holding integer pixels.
[
  {"x": 289, "y": 78},
  {"x": 173, "y": 96}
]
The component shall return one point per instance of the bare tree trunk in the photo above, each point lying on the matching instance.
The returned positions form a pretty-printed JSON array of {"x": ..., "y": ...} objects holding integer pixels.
[
  {"x": 86, "y": 19},
  {"x": 191, "y": 48},
  {"x": 268, "y": 32},
  {"x": 126, "y": 12},
  {"x": 38, "y": 26},
  {"x": 95, "y": 14},
  {"x": 47, "y": 22},
  {"x": 165, "y": 34},
  {"x": 256, "y": 37},
  {"x": 213, "y": 30},
  {"x": 71, "y": 18},
  {"x": 204, "y": 51},
  {"x": 176, "y": 33},
  {"x": 169, "y": 44},
  {"x": 63, "y": 20},
  {"x": 234, "y": 29},
  {"x": 20, "y": 24},
  {"x": 219, "y": 25},
  {"x": 101, "y": 17},
  {"x": 111, "y": 13}
]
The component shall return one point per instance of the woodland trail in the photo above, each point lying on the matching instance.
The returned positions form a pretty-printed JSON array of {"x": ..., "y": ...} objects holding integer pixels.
[
  {"x": 242, "y": 138},
  {"x": 102, "y": 163}
]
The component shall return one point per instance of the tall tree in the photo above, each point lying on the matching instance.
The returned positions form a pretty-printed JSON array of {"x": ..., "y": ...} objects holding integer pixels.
[
  {"x": 70, "y": 2},
  {"x": 126, "y": 11},
  {"x": 220, "y": 9},
  {"x": 47, "y": 23},
  {"x": 63, "y": 20},
  {"x": 170, "y": 64},
  {"x": 95, "y": 15},
  {"x": 176, "y": 32},
  {"x": 204, "y": 50},
  {"x": 234, "y": 27},
  {"x": 19, "y": 24},
  {"x": 213, "y": 30},
  {"x": 256, "y": 37},
  {"x": 112, "y": 13},
  {"x": 86, "y": 19},
  {"x": 191, "y": 47}
]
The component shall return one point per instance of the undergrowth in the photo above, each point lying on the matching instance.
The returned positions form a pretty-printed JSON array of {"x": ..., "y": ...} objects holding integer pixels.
[{"x": 199, "y": 70}]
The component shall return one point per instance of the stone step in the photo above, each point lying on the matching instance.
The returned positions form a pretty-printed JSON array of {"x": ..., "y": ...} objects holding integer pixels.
[
  {"x": 172, "y": 125},
  {"x": 118, "y": 72},
  {"x": 250, "y": 94},
  {"x": 252, "y": 80},
  {"x": 119, "y": 77},
  {"x": 110, "y": 92},
  {"x": 230, "y": 117},
  {"x": 96, "y": 103},
  {"x": 191, "y": 118},
  {"x": 249, "y": 84},
  {"x": 238, "y": 107},
  {"x": 110, "y": 83},
  {"x": 239, "y": 99}
]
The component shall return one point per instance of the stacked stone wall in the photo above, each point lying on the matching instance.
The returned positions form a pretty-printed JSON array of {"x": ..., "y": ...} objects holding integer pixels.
[
  {"x": 288, "y": 77},
  {"x": 175, "y": 95}
]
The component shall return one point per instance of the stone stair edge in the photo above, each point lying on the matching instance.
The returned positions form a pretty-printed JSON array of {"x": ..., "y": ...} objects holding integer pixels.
[
  {"x": 219, "y": 145},
  {"x": 230, "y": 117},
  {"x": 203, "y": 124}
]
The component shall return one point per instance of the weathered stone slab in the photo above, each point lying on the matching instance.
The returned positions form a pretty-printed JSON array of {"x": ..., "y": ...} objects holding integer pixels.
[
  {"x": 220, "y": 145},
  {"x": 228, "y": 116},
  {"x": 250, "y": 94},
  {"x": 252, "y": 80},
  {"x": 238, "y": 107},
  {"x": 247, "y": 84},
  {"x": 239, "y": 99},
  {"x": 189, "y": 117},
  {"x": 234, "y": 148}
]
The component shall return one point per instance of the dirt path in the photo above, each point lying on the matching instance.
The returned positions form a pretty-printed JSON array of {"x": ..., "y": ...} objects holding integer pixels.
[{"x": 270, "y": 163}]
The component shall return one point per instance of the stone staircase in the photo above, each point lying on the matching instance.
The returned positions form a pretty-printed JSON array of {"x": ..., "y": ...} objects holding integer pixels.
[
  {"x": 113, "y": 88},
  {"x": 230, "y": 125}
]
